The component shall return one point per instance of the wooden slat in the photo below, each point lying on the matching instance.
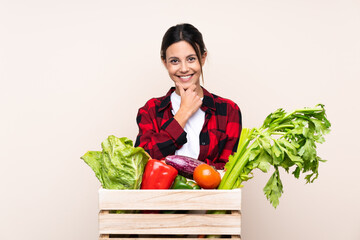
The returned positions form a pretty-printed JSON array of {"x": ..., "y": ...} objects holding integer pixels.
[
  {"x": 209, "y": 224},
  {"x": 169, "y": 199}
]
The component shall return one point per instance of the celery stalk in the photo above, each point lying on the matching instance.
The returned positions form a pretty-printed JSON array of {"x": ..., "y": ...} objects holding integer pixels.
[{"x": 284, "y": 140}]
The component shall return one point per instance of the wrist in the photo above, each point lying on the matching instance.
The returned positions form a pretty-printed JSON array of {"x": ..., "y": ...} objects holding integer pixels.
[{"x": 182, "y": 117}]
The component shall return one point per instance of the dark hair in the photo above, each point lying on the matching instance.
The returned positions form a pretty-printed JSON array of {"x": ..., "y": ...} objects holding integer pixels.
[{"x": 184, "y": 32}]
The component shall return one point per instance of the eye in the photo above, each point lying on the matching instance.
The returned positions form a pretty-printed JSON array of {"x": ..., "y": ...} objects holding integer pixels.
[
  {"x": 174, "y": 61},
  {"x": 191, "y": 59}
]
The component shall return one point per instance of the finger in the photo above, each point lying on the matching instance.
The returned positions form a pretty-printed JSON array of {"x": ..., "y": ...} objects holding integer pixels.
[
  {"x": 192, "y": 88},
  {"x": 180, "y": 87}
]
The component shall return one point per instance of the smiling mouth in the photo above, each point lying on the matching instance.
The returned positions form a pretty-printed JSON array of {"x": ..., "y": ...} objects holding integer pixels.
[{"x": 187, "y": 77}]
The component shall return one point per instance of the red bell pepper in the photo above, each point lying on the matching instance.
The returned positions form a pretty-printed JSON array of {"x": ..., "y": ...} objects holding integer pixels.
[{"x": 158, "y": 175}]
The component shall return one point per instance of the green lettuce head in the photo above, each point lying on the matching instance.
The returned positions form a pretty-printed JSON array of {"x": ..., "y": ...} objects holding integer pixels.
[{"x": 119, "y": 165}]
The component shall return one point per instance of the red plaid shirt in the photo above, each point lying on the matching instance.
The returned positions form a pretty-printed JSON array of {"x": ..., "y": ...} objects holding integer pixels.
[{"x": 160, "y": 134}]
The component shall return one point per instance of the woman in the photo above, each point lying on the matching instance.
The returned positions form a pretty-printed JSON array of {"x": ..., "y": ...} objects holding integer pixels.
[{"x": 188, "y": 120}]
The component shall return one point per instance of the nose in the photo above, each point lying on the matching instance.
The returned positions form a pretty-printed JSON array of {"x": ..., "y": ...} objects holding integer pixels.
[{"x": 184, "y": 67}]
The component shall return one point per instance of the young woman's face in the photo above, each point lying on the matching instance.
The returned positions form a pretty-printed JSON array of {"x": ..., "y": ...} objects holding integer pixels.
[{"x": 183, "y": 65}]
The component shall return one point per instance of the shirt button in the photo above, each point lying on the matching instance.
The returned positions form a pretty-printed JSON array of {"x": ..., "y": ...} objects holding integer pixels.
[{"x": 203, "y": 143}]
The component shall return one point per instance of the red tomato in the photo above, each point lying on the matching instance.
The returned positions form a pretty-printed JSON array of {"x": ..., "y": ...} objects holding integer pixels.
[{"x": 206, "y": 176}]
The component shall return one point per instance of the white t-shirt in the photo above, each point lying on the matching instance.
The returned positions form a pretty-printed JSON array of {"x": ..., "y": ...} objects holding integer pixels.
[{"x": 192, "y": 128}]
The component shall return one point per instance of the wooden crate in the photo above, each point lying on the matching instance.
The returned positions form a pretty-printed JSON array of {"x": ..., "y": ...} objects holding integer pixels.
[{"x": 163, "y": 226}]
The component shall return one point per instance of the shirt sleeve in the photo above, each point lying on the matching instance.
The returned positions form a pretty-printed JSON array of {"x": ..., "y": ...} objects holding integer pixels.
[
  {"x": 158, "y": 141},
  {"x": 233, "y": 130}
]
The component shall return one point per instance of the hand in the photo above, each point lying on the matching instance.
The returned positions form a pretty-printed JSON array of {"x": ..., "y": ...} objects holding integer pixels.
[
  {"x": 190, "y": 103},
  {"x": 190, "y": 100}
]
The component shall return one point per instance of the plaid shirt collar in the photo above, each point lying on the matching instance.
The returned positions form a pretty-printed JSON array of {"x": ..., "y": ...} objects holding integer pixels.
[{"x": 207, "y": 105}]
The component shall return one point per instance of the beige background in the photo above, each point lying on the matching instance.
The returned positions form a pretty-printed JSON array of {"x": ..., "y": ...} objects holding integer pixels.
[{"x": 74, "y": 72}]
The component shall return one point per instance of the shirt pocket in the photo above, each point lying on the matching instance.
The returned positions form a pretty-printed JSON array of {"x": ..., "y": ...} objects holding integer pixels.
[{"x": 217, "y": 143}]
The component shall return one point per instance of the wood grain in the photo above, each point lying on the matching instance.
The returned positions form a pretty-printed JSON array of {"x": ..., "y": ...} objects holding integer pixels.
[
  {"x": 169, "y": 199},
  {"x": 152, "y": 225},
  {"x": 169, "y": 224}
]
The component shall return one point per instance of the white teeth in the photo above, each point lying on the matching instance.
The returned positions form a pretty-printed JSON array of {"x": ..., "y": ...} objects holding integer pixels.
[{"x": 185, "y": 77}]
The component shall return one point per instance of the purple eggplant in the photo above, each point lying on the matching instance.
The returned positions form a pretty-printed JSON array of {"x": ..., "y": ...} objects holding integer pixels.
[{"x": 184, "y": 165}]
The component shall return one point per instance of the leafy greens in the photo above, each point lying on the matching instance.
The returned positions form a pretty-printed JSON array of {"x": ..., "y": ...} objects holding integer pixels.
[
  {"x": 283, "y": 141},
  {"x": 119, "y": 165}
]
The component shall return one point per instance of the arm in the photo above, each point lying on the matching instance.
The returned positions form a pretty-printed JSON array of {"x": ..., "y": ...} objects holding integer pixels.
[
  {"x": 161, "y": 141},
  {"x": 158, "y": 141}
]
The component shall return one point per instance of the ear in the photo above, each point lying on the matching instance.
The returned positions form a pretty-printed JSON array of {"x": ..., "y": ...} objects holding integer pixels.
[
  {"x": 203, "y": 58},
  {"x": 163, "y": 61}
]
